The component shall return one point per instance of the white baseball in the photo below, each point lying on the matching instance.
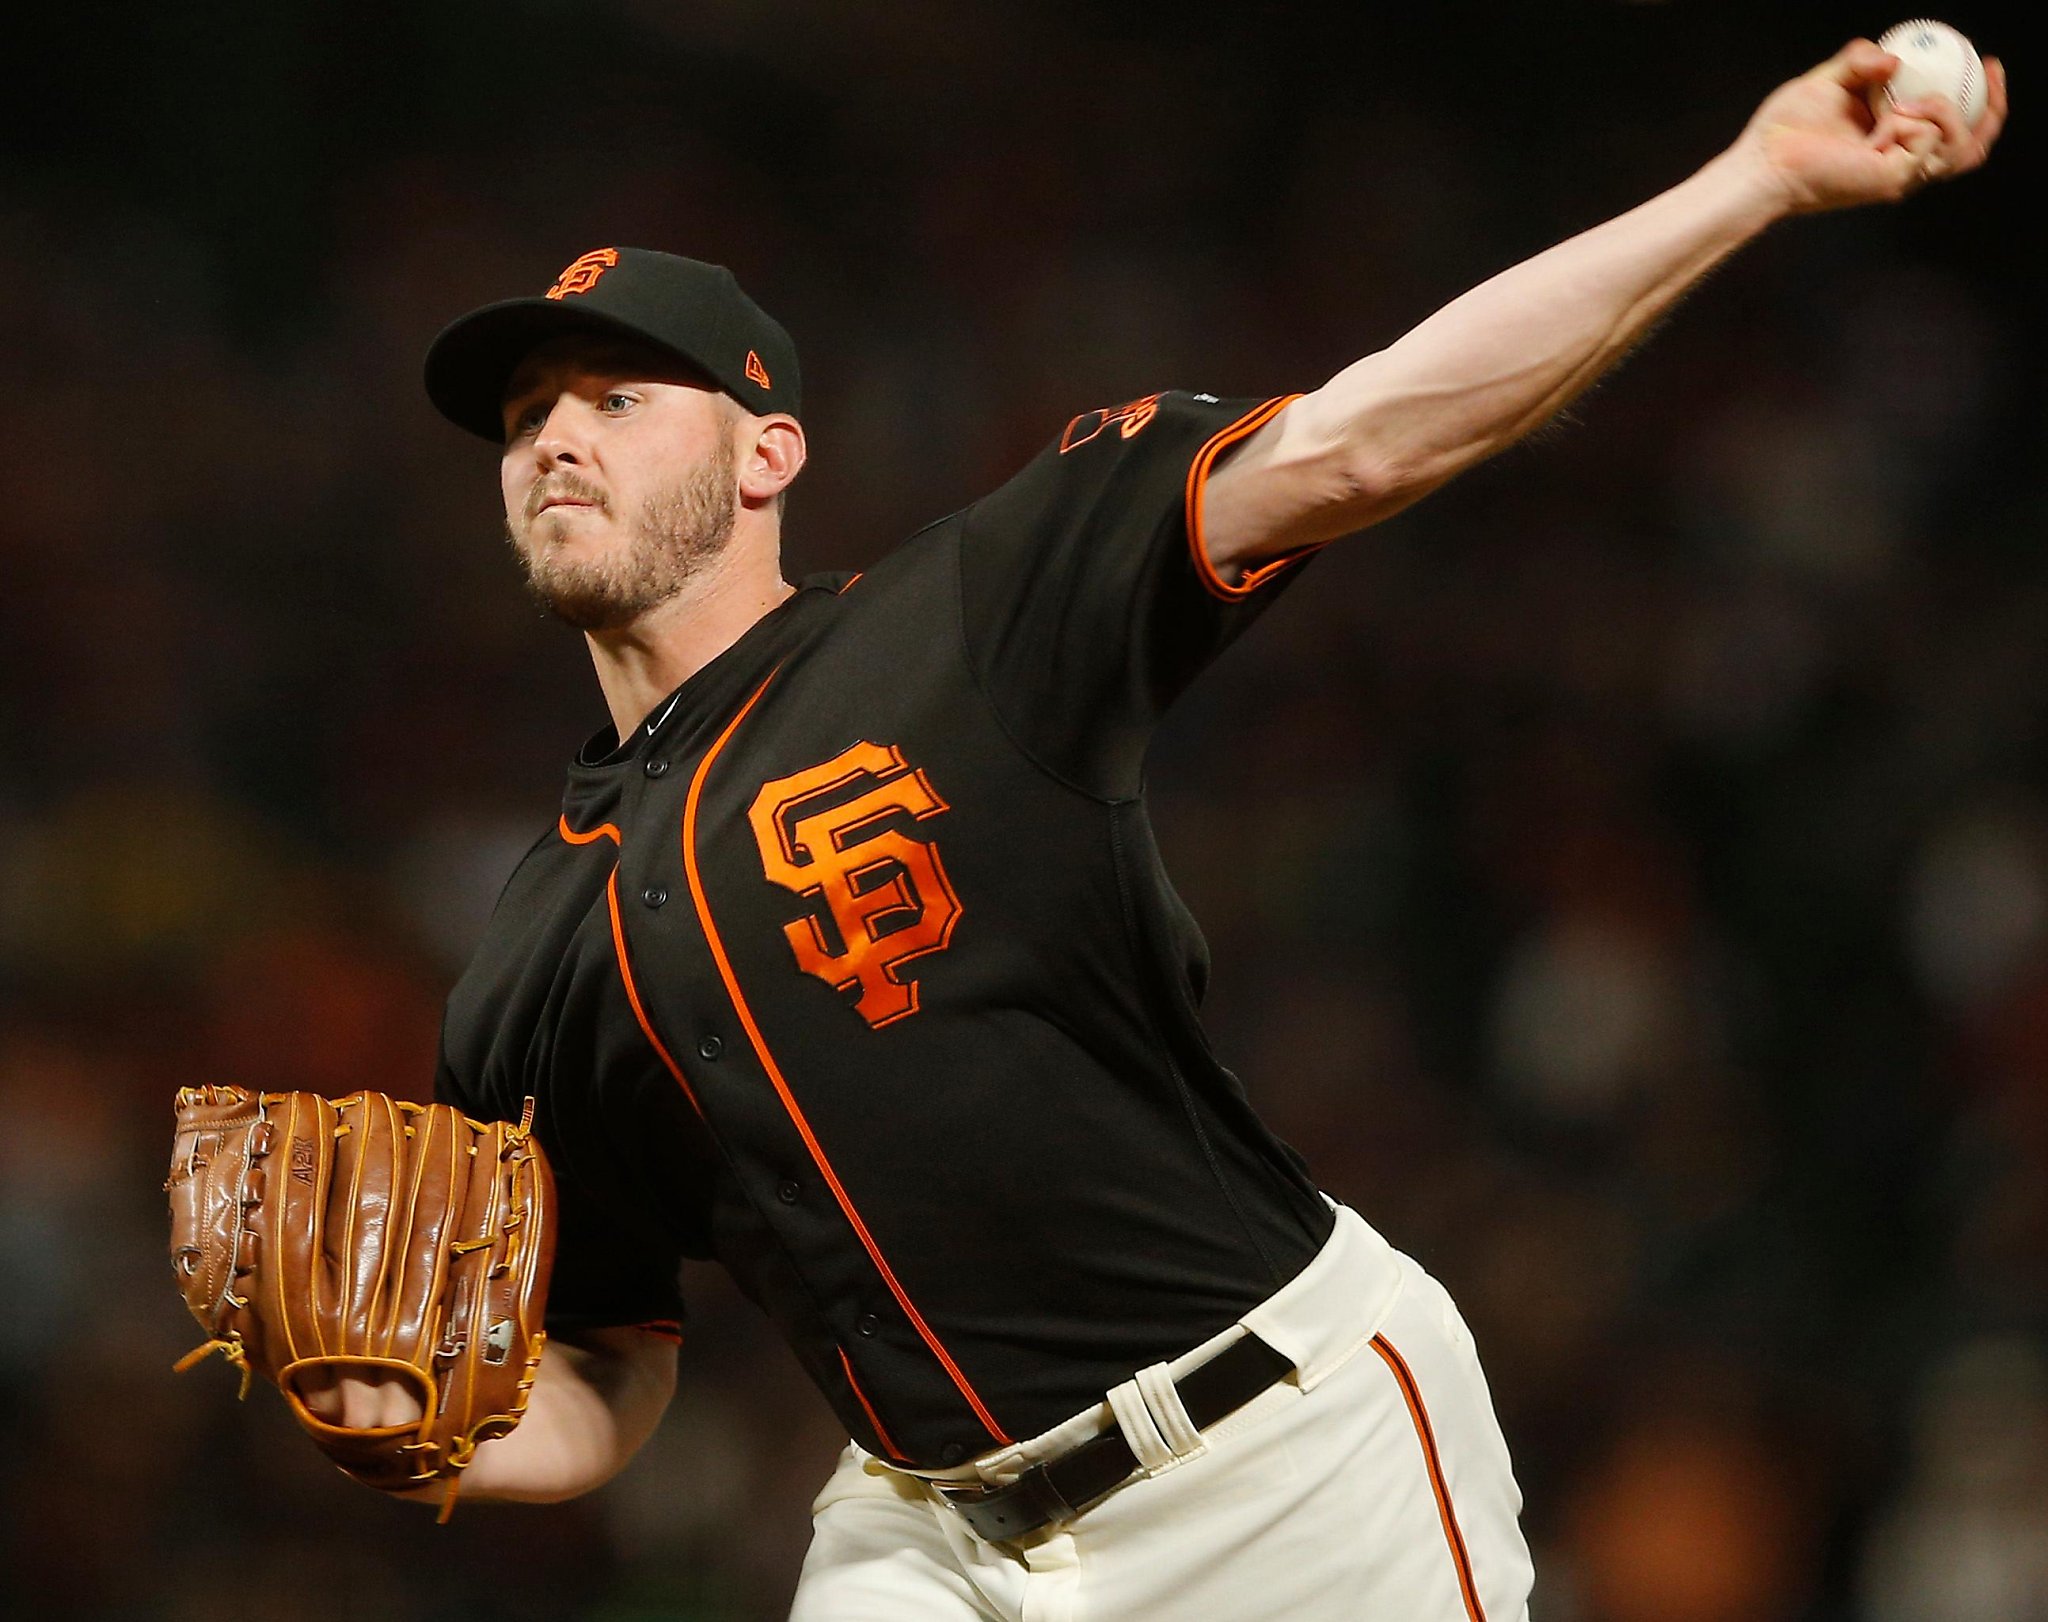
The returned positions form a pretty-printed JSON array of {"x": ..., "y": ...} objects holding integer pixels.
[{"x": 1934, "y": 60}]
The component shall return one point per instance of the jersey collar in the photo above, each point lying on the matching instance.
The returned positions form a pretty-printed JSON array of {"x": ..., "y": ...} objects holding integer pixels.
[{"x": 704, "y": 692}]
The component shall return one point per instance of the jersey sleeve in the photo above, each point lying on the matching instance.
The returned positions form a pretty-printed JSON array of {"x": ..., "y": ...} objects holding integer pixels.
[
  {"x": 607, "y": 1277},
  {"x": 1088, "y": 600},
  {"x": 610, "y": 1271}
]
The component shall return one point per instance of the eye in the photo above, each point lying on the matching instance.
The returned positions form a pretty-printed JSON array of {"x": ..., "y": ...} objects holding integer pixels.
[
  {"x": 527, "y": 420},
  {"x": 617, "y": 400}
]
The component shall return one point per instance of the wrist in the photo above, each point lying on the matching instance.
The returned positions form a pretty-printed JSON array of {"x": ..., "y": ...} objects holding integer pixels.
[{"x": 1744, "y": 187}]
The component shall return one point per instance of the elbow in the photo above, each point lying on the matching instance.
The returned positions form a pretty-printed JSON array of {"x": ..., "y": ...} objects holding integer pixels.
[
  {"x": 1358, "y": 470},
  {"x": 1363, "y": 477},
  {"x": 1365, "y": 484},
  {"x": 1310, "y": 475}
]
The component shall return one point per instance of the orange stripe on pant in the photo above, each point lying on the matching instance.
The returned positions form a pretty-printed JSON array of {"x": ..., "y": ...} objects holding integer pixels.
[{"x": 1412, "y": 1395}]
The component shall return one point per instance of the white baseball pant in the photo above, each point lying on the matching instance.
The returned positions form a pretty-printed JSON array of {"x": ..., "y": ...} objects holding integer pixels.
[{"x": 1372, "y": 1486}]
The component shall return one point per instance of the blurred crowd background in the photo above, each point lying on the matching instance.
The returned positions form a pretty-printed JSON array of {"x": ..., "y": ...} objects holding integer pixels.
[{"x": 1627, "y": 873}]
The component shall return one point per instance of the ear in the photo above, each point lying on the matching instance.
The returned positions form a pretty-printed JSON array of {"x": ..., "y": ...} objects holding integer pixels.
[{"x": 771, "y": 456}]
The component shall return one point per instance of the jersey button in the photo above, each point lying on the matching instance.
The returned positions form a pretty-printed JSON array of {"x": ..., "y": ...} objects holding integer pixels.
[
  {"x": 654, "y": 895},
  {"x": 868, "y": 1324},
  {"x": 655, "y": 768},
  {"x": 952, "y": 1453},
  {"x": 709, "y": 1046},
  {"x": 789, "y": 1192}
]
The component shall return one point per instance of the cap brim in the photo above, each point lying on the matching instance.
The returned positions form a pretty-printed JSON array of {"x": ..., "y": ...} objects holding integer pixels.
[{"x": 469, "y": 366}]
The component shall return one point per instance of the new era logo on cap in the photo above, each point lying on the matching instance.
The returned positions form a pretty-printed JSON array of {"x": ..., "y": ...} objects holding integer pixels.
[{"x": 756, "y": 372}]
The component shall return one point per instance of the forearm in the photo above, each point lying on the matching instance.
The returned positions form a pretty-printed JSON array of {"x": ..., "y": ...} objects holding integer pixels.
[
  {"x": 1508, "y": 356},
  {"x": 590, "y": 1411},
  {"x": 1505, "y": 358}
]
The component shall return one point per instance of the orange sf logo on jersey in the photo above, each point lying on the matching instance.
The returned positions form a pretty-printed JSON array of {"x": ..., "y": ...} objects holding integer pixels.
[
  {"x": 835, "y": 835},
  {"x": 580, "y": 275}
]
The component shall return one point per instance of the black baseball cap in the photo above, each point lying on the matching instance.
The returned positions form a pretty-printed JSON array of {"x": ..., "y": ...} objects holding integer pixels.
[{"x": 693, "y": 311}]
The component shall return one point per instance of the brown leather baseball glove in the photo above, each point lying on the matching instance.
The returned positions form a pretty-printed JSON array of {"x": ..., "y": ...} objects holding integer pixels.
[{"x": 367, "y": 1237}]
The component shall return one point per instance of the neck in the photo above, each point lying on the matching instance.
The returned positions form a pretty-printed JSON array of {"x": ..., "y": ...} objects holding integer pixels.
[{"x": 640, "y": 664}]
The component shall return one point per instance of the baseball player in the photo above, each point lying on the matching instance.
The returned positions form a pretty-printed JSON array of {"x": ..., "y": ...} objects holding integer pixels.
[{"x": 850, "y": 960}]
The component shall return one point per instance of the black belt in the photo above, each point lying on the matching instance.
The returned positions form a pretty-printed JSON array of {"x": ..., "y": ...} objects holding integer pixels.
[{"x": 1069, "y": 1484}]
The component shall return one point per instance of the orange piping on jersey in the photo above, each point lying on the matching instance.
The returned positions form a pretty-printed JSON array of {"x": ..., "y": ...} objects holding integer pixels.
[
  {"x": 604, "y": 830},
  {"x": 662, "y": 1329},
  {"x": 1198, "y": 478},
  {"x": 611, "y": 896},
  {"x": 1455, "y": 1538},
  {"x": 843, "y": 590},
  {"x": 881, "y": 1431},
  {"x": 607, "y": 830},
  {"x": 781, "y": 1085}
]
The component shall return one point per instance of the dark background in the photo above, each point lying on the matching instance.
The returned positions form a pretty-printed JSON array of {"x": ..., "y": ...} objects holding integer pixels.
[{"x": 1627, "y": 873}]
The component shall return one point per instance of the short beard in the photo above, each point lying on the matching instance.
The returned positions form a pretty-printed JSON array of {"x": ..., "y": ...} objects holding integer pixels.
[{"x": 681, "y": 532}]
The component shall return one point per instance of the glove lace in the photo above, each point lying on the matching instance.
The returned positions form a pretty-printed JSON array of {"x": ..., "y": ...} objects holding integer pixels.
[{"x": 229, "y": 1346}]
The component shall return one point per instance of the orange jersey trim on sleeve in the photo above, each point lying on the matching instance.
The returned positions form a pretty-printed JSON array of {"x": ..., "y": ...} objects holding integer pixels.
[
  {"x": 1426, "y": 1434},
  {"x": 781, "y": 1084},
  {"x": 1198, "y": 479}
]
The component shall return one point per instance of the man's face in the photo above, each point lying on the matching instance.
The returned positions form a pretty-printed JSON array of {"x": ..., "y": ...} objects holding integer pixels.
[{"x": 618, "y": 476}]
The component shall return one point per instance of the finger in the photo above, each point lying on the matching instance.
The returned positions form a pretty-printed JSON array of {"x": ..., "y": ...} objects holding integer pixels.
[
  {"x": 1859, "y": 65},
  {"x": 379, "y": 1400},
  {"x": 317, "y": 1391},
  {"x": 1905, "y": 131},
  {"x": 1921, "y": 141},
  {"x": 361, "y": 1403},
  {"x": 1992, "y": 119},
  {"x": 1945, "y": 116},
  {"x": 1903, "y": 173},
  {"x": 396, "y": 1404},
  {"x": 1963, "y": 146}
]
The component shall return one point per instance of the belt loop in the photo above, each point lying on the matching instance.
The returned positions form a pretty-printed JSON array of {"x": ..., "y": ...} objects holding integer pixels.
[
  {"x": 1169, "y": 1413},
  {"x": 1134, "y": 1418},
  {"x": 1155, "y": 1421}
]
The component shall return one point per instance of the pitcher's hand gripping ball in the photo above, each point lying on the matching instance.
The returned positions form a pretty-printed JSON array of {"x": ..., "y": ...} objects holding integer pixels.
[
  {"x": 1934, "y": 60},
  {"x": 367, "y": 1237}
]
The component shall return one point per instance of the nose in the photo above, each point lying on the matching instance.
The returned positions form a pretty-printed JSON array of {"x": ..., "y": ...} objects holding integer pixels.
[{"x": 560, "y": 441}]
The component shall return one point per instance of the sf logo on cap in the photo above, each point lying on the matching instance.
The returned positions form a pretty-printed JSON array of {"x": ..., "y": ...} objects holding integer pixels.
[{"x": 580, "y": 275}]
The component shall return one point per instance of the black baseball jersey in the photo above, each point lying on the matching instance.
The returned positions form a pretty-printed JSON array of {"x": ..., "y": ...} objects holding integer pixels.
[{"x": 855, "y": 968}]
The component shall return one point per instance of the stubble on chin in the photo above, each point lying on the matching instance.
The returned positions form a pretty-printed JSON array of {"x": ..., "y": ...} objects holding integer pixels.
[{"x": 677, "y": 534}]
